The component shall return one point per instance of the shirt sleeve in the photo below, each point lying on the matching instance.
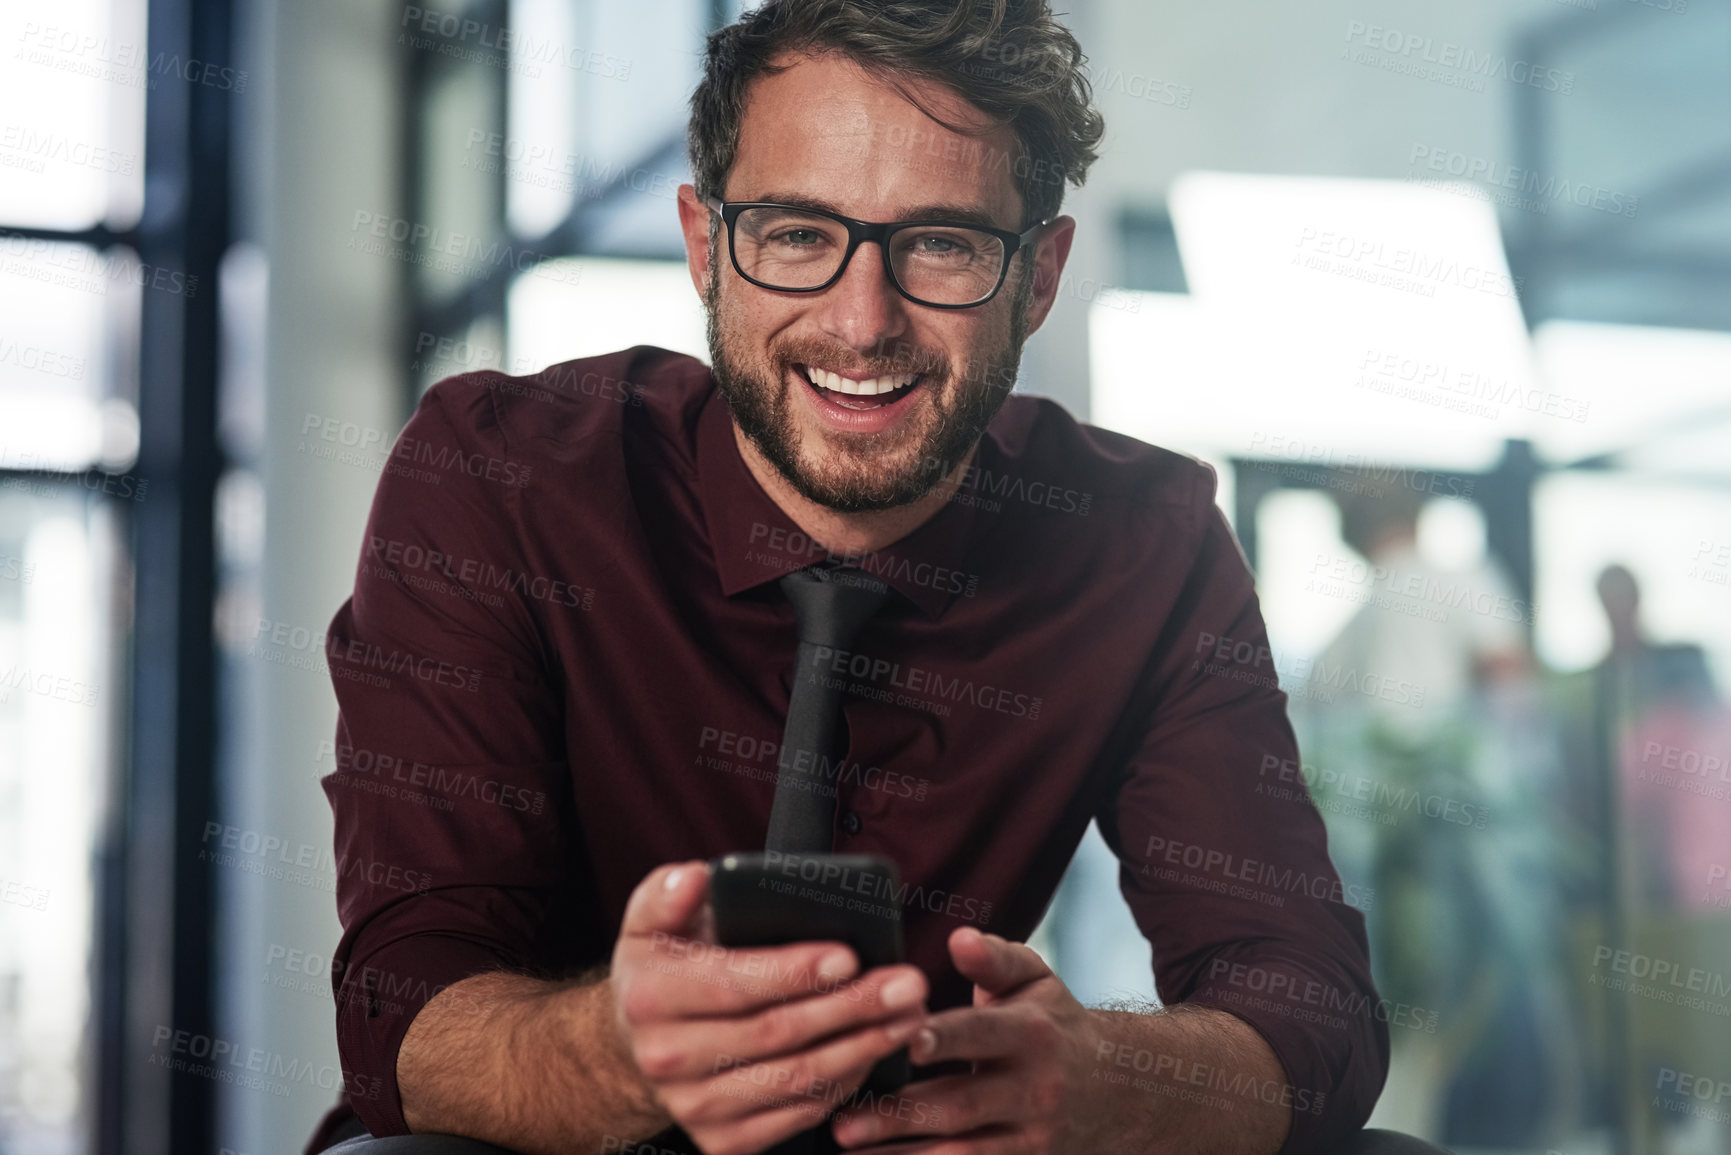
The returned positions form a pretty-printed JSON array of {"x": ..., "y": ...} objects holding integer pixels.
[
  {"x": 1224, "y": 860},
  {"x": 450, "y": 792}
]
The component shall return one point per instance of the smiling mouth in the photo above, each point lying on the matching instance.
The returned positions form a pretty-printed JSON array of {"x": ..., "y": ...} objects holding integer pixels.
[{"x": 870, "y": 393}]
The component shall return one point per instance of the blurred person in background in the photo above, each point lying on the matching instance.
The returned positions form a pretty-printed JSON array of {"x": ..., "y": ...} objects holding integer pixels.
[
  {"x": 1649, "y": 750},
  {"x": 1669, "y": 752},
  {"x": 1438, "y": 778}
]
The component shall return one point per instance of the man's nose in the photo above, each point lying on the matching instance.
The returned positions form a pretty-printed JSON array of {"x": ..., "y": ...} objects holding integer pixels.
[{"x": 863, "y": 308}]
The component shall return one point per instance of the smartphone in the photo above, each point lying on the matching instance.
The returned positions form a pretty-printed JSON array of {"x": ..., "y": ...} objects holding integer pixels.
[{"x": 771, "y": 898}]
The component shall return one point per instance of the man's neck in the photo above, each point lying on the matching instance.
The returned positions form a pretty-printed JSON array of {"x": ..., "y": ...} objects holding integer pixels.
[{"x": 848, "y": 534}]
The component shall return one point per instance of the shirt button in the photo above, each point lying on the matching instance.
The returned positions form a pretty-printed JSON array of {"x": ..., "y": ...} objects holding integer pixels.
[{"x": 850, "y": 822}]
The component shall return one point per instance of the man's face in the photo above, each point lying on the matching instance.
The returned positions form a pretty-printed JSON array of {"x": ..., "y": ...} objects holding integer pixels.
[{"x": 824, "y": 132}]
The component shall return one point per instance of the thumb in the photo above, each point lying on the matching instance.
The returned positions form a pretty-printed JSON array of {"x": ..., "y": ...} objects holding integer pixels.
[
  {"x": 996, "y": 966},
  {"x": 669, "y": 900}
]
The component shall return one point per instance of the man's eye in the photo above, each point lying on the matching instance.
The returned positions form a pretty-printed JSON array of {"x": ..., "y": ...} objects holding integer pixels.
[
  {"x": 950, "y": 246},
  {"x": 799, "y": 237}
]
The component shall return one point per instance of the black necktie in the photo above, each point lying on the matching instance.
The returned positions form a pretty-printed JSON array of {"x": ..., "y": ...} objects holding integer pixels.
[{"x": 831, "y": 604}]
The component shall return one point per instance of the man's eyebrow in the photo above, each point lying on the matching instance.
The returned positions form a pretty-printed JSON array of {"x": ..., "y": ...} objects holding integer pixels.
[{"x": 960, "y": 214}]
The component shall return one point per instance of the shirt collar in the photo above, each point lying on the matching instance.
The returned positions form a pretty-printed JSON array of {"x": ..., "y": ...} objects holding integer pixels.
[{"x": 754, "y": 542}]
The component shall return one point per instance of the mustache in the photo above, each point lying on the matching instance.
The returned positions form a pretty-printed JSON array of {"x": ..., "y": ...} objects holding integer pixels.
[{"x": 888, "y": 358}]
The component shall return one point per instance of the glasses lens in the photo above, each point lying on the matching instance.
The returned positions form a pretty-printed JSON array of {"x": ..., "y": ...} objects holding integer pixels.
[
  {"x": 786, "y": 248},
  {"x": 947, "y": 266}
]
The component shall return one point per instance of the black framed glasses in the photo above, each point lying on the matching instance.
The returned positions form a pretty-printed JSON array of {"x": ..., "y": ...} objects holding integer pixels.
[{"x": 940, "y": 264}]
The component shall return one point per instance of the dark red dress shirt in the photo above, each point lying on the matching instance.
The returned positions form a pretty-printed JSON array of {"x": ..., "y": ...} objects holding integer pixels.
[{"x": 566, "y": 662}]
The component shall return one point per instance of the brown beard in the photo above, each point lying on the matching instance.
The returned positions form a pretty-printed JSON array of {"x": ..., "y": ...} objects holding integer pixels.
[{"x": 864, "y": 471}]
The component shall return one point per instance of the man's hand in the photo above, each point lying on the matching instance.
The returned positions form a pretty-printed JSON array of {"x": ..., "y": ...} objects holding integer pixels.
[
  {"x": 1031, "y": 1044},
  {"x": 744, "y": 1048},
  {"x": 1045, "y": 1076}
]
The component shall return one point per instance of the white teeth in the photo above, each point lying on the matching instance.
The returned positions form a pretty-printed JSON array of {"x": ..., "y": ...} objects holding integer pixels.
[{"x": 867, "y": 388}]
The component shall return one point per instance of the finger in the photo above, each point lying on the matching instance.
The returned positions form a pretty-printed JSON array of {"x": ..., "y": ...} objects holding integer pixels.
[
  {"x": 763, "y": 1130},
  {"x": 826, "y": 1073},
  {"x": 995, "y": 964},
  {"x": 686, "y": 1048},
  {"x": 667, "y": 899},
  {"x": 682, "y": 978},
  {"x": 949, "y": 1106},
  {"x": 976, "y": 1033},
  {"x": 986, "y": 1141}
]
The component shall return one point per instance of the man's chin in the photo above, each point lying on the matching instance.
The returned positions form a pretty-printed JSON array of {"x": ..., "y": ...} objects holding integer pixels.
[{"x": 861, "y": 488}]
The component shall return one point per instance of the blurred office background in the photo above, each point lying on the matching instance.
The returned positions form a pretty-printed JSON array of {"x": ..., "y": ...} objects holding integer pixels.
[{"x": 1442, "y": 290}]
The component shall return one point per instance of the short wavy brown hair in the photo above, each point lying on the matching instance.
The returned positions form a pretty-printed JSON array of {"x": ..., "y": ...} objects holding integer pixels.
[{"x": 1009, "y": 58}]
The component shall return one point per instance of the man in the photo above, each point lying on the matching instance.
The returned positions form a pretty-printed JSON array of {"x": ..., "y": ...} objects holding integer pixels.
[{"x": 567, "y": 661}]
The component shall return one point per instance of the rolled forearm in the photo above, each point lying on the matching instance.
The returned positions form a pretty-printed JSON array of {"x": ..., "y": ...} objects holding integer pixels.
[
  {"x": 1192, "y": 1080},
  {"x": 533, "y": 1065}
]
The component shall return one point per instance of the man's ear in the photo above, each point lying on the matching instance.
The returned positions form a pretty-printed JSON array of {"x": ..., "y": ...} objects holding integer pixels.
[
  {"x": 1051, "y": 250},
  {"x": 694, "y": 218}
]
